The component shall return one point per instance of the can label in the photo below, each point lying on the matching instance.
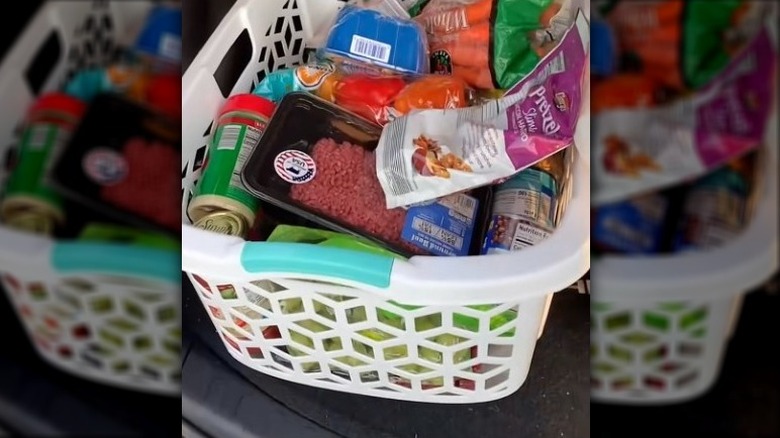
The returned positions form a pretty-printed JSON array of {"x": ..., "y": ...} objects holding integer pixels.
[
  {"x": 231, "y": 147},
  {"x": 524, "y": 212},
  {"x": 39, "y": 148},
  {"x": 714, "y": 212}
]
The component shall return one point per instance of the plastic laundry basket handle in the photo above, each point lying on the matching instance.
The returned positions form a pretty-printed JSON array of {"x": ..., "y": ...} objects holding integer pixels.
[
  {"x": 69, "y": 257},
  {"x": 298, "y": 258}
]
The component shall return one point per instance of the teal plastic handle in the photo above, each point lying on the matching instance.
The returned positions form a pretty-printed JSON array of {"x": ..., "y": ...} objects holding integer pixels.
[
  {"x": 301, "y": 258},
  {"x": 116, "y": 259}
]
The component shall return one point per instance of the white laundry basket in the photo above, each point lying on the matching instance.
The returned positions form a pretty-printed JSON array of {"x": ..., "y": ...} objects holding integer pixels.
[
  {"x": 104, "y": 312},
  {"x": 327, "y": 317},
  {"x": 660, "y": 325}
]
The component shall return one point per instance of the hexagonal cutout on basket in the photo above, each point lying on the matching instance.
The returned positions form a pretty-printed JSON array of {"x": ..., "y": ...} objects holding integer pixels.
[
  {"x": 497, "y": 380},
  {"x": 363, "y": 349},
  {"x": 324, "y": 310},
  {"x": 447, "y": 339},
  {"x": 339, "y": 372},
  {"x": 332, "y": 344},
  {"x": 654, "y": 354},
  {"x": 291, "y": 306},
  {"x": 430, "y": 355},
  {"x": 123, "y": 324},
  {"x": 68, "y": 299},
  {"x": 216, "y": 313},
  {"x": 247, "y": 312},
  {"x": 311, "y": 367},
  {"x": 499, "y": 350},
  {"x": 356, "y": 315},
  {"x": 395, "y": 352},
  {"x": 120, "y": 366},
  {"x": 618, "y": 322},
  {"x": 171, "y": 346},
  {"x": 258, "y": 300},
  {"x": 101, "y": 305},
  {"x": 688, "y": 349},
  {"x": 604, "y": 368},
  {"x": 619, "y": 353},
  {"x": 391, "y": 319},
  {"x": 81, "y": 331},
  {"x": 655, "y": 383},
  {"x": 351, "y": 361},
  {"x": 202, "y": 283},
  {"x": 671, "y": 367},
  {"x": 465, "y": 322},
  {"x": 637, "y": 338},
  {"x": 693, "y": 318},
  {"x": 622, "y": 383},
  {"x": 243, "y": 326},
  {"x": 427, "y": 322},
  {"x": 301, "y": 339},
  {"x": 313, "y": 326},
  {"x": 111, "y": 338},
  {"x": 227, "y": 291},
  {"x": 375, "y": 335},
  {"x": 686, "y": 379},
  {"x": 656, "y": 321},
  {"x": 268, "y": 286},
  {"x": 166, "y": 314},
  {"x": 369, "y": 376},
  {"x": 254, "y": 352},
  {"x": 142, "y": 343},
  {"x": 134, "y": 310}
]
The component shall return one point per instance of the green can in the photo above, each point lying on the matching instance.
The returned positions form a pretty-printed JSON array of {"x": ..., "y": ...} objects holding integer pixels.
[
  {"x": 48, "y": 127},
  {"x": 240, "y": 125}
]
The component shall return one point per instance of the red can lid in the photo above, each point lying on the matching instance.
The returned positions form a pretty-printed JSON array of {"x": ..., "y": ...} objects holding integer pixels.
[
  {"x": 248, "y": 102},
  {"x": 59, "y": 102}
]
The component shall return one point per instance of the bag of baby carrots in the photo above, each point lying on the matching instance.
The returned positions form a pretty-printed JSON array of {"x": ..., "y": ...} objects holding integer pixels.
[
  {"x": 493, "y": 43},
  {"x": 684, "y": 44}
]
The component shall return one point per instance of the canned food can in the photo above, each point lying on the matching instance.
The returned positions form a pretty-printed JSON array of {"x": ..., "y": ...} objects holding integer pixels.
[
  {"x": 33, "y": 221},
  {"x": 48, "y": 127},
  {"x": 241, "y": 123},
  {"x": 223, "y": 222},
  {"x": 524, "y": 210},
  {"x": 716, "y": 207}
]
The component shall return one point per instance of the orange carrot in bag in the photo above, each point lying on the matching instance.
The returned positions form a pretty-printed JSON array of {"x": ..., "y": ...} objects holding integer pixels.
[
  {"x": 477, "y": 77},
  {"x": 548, "y": 13},
  {"x": 474, "y": 35}
]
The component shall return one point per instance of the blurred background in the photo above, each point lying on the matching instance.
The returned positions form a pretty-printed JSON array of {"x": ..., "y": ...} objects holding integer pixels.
[
  {"x": 90, "y": 298},
  {"x": 684, "y": 220}
]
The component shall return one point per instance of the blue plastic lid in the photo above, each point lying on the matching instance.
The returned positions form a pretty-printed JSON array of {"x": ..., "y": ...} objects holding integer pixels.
[
  {"x": 603, "y": 55},
  {"x": 161, "y": 35}
]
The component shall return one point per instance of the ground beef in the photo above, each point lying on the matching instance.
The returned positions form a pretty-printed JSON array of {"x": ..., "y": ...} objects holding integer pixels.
[{"x": 346, "y": 188}]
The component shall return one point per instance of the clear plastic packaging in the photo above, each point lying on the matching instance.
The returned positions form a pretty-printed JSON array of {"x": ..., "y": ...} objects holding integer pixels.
[{"x": 363, "y": 37}]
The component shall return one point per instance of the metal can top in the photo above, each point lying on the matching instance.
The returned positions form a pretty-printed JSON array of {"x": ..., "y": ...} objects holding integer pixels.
[
  {"x": 223, "y": 222},
  {"x": 37, "y": 222}
]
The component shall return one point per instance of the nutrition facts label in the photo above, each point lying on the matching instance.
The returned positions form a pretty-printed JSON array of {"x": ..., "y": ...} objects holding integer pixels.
[{"x": 527, "y": 235}]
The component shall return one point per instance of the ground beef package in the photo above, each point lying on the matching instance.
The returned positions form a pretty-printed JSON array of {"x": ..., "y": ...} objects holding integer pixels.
[
  {"x": 121, "y": 162},
  {"x": 318, "y": 161}
]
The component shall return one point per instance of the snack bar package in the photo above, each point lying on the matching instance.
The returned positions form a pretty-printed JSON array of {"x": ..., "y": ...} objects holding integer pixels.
[
  {"x": 493, "y": 43},
  {"x": 642, "y": 149},
  {"x": 375, "y": 97},
  {"x": 433, "y": 153}
]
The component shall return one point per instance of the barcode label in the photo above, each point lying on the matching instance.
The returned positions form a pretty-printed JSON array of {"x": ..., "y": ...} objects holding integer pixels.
[
  {"x": 437, "y": 233},
  {"x": 376, "y": 50},
  {"x": 463, "y": 205},
  {"x": 231, "y": 136}
]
